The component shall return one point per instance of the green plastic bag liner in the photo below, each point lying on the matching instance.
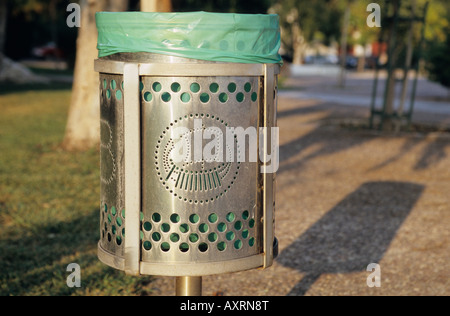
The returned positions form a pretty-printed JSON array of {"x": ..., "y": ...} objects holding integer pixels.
[{"x": 222, "y": 37}]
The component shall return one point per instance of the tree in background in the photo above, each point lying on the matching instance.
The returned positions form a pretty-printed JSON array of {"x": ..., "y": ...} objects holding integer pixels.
[
  {"x": 359, "y": 33},
  {"x": 83, "y": 129},
  {"x": 303, "y": 21},
  {"x": 156, "y": 5},
  {"x": 438, "y": 46},
  {"x": 439, "y": 62}
]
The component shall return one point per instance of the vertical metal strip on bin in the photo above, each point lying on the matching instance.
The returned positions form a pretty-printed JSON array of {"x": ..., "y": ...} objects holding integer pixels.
[
  {"x": 132, "y": 158},
  {"x": 269, "y": 117}
]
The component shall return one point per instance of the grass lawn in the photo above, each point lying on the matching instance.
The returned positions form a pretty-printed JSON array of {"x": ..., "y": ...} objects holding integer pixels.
[{"x": 49, "y": 202}]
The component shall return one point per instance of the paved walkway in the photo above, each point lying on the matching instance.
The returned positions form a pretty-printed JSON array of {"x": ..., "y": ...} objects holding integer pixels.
[{"x": 432, "y": 99}]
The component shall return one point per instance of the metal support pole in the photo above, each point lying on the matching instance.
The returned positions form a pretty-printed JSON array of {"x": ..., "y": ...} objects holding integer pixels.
[{"x": 188, "y": 286}]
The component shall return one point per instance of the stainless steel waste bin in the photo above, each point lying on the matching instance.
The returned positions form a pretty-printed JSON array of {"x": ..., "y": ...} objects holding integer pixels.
[{"x": 193, "y": 217}]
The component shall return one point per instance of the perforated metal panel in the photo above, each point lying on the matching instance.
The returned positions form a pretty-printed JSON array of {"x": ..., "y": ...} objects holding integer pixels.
[
  {"x": 194, "y": 213},
  {"x": 112, "y": 206},
  {"x": 215, "y": 202}
]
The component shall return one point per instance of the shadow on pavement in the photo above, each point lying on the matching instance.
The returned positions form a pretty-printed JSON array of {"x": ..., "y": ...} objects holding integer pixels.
[{"x": 355, "y": 233}]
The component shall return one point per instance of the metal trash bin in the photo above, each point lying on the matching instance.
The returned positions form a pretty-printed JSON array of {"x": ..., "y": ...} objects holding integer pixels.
[{"x": 191, "y": 217}]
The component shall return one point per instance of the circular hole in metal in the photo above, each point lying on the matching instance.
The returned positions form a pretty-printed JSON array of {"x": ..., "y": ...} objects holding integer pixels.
[
  {"x": 195, "y": 87},
  {"x": 185, "y": 97},
  {"x": 194, "y": 218},
  {"x": 174, "y": 218},
  {"x": 232, "y": 87},
  {"x": 156, "y": 217},
  {"x": 245, "y": 233},
  {"x": 118, "y": 240},
  {"x": 212, "y": 218},
  {"x": 156, "y": 236},
  {"x": 214, "y": 87},
  {"x": 203, "y": 228},
  {"x": 204, "y": 97},
  {"x": 221, "y": 246},
  {"x": 230, "y": 235},
  {"x": 230, "y": 217},
  {"x": 203, "y": 247},
  {"x": 165, "y": 227},
  {"x": 147, "y": 245},
  {"x": 184, "y": 247},
  {"x": 184, "y": 228},
  {"x": 221, "y": 227},
  {"x": 175, "y": 87},
  {"x": 251, "y": 241},
  {"x": 254, "y": 96},
  {"x": 166, "y": 97},
  {"x": 119, "y": 95},
  {"x": 212, "y": 237},
  {"x": 113, "y": 84},
  {"x": 248, "y": 87},
  {"x": 157, "y": 87},
  {"x": 238, "y": 225},
  {"x": 245, "y": 215},
  {"x": 240, "y": 97},
  {"x": 223, "y": 97},
  {"x": 238, "y": 244},
  {"x": 174, "y": 237},
  {"x": 148, "y": 96},
  {"x": 193, "y": 238},
  {"x": 165, "y": 246}
]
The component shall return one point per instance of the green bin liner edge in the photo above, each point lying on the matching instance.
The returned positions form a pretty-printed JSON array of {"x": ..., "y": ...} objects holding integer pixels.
[{"x": 219, "y": 37}]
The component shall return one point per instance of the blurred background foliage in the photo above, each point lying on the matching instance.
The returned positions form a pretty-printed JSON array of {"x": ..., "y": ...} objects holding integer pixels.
[{"x": 32, "y": 23}]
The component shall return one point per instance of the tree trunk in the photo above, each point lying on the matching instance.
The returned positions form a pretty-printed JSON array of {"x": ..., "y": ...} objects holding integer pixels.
[
  {"x": 156, "y": 5},
  {"x": 298, "y": 43},
  {"x": 394, "y": 50},
  {"x": 83, "y": 125}
]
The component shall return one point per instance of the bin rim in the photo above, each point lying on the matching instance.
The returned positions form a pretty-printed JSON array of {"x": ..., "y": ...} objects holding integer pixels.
[{"x": 219, "y": 37}]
